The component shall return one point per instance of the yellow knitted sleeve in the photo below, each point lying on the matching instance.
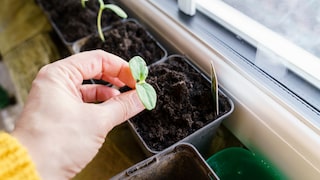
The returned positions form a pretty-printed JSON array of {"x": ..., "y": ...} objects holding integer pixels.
[{"x": 15, "y": 162}]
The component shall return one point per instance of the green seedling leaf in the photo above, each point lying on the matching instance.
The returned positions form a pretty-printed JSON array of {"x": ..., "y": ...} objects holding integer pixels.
[
  {"x": 146, "y": 92},
  {"x": 83, "y": 3},
  {"x": 147, "y": 95},
  {"x": 138, "y": 68},
  {"x": 116, "y": 9}
]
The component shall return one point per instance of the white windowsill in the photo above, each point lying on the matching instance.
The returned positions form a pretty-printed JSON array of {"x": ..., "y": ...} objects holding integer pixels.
[{"x": 261, "y": 120}]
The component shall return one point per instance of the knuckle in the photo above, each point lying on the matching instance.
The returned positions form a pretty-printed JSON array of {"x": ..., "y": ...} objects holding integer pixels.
[{"x": 124, "y": 107}]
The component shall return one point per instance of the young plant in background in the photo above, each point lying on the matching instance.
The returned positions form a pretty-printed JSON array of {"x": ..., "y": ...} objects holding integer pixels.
[
  {"x": 146, "y": 92},
  {"x": 83, "y": 3},
  {"x": 116, "y": 9},
  {"x": 214, "y": 89}
]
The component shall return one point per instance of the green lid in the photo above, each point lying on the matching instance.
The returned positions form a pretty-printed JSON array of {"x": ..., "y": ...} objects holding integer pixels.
[{"x": 239, "y": 163}]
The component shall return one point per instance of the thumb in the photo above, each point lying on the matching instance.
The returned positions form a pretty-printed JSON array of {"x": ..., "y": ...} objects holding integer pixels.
[{"x": 122, "y": 107}]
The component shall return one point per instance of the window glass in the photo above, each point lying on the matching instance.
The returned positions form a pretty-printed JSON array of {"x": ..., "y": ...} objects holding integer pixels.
[
  {"x": 297, "y": 20},
  {"x": 285, "y": 34}
]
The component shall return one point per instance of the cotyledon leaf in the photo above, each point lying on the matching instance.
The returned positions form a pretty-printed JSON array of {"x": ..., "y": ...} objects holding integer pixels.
[
  {"x": 116, "y": 9},
  {"x": 147, "y": 95},
  {"x": 138, "y": 68}
]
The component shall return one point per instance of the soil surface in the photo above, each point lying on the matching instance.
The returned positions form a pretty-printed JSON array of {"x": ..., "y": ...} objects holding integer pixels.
[
  {"x": 73, "y": 21},
  {"x": 127, "y": 39},
  {"x": 184, "y": 104}
]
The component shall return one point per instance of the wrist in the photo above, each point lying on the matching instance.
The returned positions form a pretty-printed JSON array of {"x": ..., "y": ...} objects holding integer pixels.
[
  {"x": 13, "y": 158},
  {"x": 41, "y": 153}
]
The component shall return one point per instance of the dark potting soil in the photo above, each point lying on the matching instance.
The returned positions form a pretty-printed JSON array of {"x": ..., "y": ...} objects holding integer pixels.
[
  {"x": 75, "y": 22},
  {"x": 184, "y": 104},
  {"x": 127, "y": 39}
]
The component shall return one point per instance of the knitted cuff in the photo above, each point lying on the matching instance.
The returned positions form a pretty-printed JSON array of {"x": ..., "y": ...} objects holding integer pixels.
[{"x": 15, "y": 162}]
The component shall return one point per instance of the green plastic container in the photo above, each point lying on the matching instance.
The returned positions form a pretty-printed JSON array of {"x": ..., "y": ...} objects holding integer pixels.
[
  {"x": 4, "y": 98},
  {"x": 239, "y": 163}
]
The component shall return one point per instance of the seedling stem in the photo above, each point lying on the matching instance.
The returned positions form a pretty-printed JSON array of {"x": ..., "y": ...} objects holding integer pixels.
[{"x": 116, "y": 9}]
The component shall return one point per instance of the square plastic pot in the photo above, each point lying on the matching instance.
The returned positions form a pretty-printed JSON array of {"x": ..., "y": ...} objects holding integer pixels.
[
  {"x": 181, "y": 161},
  {"x": 154, "y": 129},
  {"x": 72, "y": 22},
  {"x": 126, "y": 39}
]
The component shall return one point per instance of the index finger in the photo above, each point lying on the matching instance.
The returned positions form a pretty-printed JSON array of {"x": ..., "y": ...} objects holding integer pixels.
[{"x": 97, "y": 64}]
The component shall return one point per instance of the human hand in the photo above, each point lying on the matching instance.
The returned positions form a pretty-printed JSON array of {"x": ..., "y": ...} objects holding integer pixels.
[{"x": 60, "y": 128}]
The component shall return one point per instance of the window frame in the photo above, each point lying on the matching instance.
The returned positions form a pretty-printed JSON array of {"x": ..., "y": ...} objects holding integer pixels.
[{"x": 294, "y": 57}]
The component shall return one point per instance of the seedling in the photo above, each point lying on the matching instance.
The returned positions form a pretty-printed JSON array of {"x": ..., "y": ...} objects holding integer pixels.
[
  {"x": 116, "y": 9},
  {"x": 146, "y": 92},
  {"x": 83, "y": 3},
  {"x": 214, "y": 89}
]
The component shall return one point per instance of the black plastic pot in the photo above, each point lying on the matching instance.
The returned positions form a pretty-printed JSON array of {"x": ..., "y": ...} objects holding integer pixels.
[
  {"x": 182, "y": 161},
  {"x": 200, "y": 111},
  {"x": 126, "y": 39},
  {"x": 72, "y": 22}
]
